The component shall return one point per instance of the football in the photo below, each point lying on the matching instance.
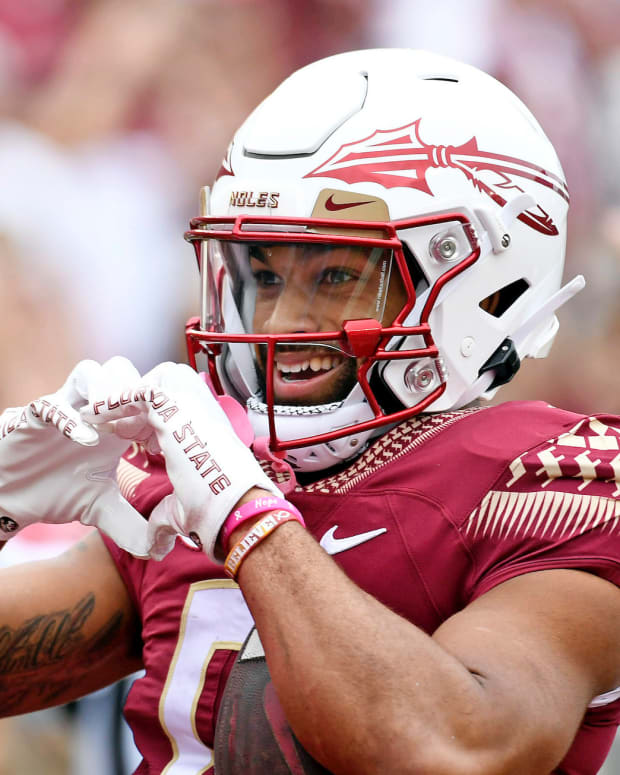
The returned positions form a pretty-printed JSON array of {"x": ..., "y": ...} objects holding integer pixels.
[{"x": 252, "y": 736}]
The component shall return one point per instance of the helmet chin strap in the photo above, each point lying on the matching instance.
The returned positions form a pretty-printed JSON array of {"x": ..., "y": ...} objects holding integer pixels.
[
  {"x": 250, "y": 431},
  {"x": 278, "y": 464},
  {"x": 294, "y": 422}
]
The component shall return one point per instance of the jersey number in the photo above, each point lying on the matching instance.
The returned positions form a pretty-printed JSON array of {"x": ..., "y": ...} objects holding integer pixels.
[{"x": 215, "y": 616}]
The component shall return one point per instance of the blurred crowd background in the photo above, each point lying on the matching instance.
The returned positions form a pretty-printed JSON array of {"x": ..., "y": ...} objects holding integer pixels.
[{"x": 113, "y": 113}]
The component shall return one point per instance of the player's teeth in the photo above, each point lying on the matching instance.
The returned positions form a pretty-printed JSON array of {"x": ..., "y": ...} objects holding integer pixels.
[{"x": 316, "y": 363}]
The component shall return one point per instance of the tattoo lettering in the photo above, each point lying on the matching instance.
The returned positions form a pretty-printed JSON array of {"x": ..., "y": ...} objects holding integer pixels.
[
  {"x": 17, "y": 697},
  {"x": 45, "y": 639},
  {"x": 41, "y": 661}
]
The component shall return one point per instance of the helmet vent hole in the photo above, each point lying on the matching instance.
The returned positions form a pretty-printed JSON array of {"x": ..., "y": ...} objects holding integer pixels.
[
  {"x": 501, "y": 300},
  {"x": 441, "y": 78}
]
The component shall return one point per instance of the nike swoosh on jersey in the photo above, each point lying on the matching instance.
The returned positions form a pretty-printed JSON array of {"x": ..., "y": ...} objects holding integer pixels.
[
  {"x": 333, "y": 206},
  {"x": 333, "y": 545}
]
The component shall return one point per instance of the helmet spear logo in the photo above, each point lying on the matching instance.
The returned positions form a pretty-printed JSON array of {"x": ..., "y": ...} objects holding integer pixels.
[{"x": 399, "y": 157}]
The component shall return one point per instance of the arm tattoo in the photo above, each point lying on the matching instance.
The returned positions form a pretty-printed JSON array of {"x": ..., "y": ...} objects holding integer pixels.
[{"x": 46, "y": 640}]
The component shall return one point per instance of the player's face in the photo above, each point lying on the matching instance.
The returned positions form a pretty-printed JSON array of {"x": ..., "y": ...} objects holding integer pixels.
[{"x": 314, "y": 288}]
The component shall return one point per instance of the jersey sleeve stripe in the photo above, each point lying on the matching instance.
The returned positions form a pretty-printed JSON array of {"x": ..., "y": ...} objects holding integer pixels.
[{"x": 541, "y": 514}]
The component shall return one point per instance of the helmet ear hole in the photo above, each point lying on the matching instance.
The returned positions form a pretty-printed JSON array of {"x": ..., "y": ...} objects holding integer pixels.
[{"x": 501, "y": 300}]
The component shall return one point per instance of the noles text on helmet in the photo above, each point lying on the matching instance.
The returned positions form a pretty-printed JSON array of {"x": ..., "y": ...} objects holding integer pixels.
[{"x": 386, "y": 236}]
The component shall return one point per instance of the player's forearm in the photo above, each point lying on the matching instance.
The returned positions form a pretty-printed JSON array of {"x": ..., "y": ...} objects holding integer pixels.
[
  {"x": 37, "y": 675},
  {"x": 363, "y": 689},
  {"x": 52, "y": 657},
  {"x": 28, "y": 691},
  {"x": 61, "y": 640}
]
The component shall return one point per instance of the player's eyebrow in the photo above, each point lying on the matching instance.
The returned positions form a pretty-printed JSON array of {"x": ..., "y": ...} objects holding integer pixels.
[{"x": 259, "y": 254}]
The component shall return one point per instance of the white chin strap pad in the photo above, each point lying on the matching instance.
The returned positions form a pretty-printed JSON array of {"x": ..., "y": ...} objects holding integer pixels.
[{"x": 294, "y": 422}]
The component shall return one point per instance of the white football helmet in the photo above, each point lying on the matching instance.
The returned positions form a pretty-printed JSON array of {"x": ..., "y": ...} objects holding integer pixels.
[{"x": 413, "y": 213}]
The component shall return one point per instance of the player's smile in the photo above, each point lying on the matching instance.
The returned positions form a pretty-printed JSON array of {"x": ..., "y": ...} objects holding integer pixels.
[{"x": 307, "y": 372}]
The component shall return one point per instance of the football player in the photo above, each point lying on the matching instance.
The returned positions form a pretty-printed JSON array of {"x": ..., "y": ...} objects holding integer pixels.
[{"x": 433, "y": 581}]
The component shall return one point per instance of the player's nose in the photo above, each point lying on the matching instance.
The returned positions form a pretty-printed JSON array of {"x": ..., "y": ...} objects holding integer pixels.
[{"x": 292, "y": 312}]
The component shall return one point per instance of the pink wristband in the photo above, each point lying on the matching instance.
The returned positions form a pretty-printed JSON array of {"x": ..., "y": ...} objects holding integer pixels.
[
  {"x": 254, "y": 508},
  {"x": 257, "y": 533}
]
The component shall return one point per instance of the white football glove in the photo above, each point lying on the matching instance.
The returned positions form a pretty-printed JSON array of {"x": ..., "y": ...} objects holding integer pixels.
[
  {"x": 56, "y": 468},
  {"x": 209, "y": 466}
]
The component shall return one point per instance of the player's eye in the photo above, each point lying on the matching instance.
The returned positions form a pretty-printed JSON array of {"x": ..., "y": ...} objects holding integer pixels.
[
  {"x": 267, "y": 279},
  {"x": 336, "y": 276}
]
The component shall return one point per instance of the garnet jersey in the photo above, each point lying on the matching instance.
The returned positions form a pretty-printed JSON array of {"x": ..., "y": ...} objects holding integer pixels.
[{"x": 436, "y": 512}]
